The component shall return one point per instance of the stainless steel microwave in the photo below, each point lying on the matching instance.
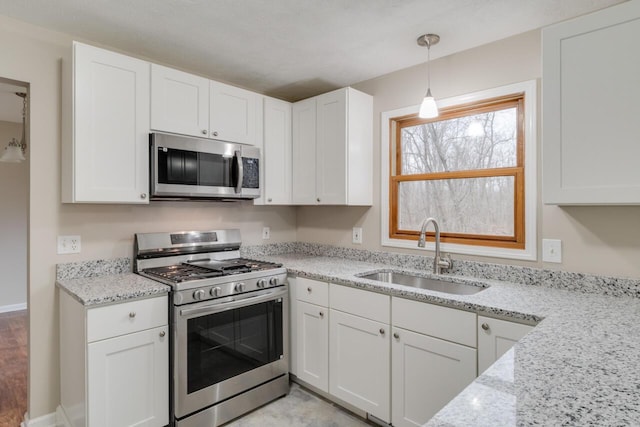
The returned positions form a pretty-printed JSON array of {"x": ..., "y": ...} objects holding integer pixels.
[{"x": 184, "y": 167}]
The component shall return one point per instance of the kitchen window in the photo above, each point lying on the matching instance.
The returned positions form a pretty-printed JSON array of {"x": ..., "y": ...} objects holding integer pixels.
[{"x": 469, "y": 169}]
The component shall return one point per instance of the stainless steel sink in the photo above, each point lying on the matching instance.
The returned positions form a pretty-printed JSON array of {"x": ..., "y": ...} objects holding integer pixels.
[{"x": 424, "y": 282}]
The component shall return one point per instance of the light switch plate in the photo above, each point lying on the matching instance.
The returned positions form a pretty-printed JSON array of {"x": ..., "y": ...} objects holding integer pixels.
[
  {"x": 69, "y": 245},
  {"x": 266, "y": 233},
  {"x": 357, "y": 235},
  {"x": 552, "y": 250}
]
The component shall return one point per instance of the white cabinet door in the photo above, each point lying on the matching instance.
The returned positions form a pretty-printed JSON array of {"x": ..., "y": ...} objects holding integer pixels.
[
  {"x": 128, "y": 380},
  {"x": 427, "y": 373},
  {"x": 495, "y": 338},
  {"x": 331, "y": 148},
  {"x": 107, "y": 160},
  {"x": 312, "y": 343},
  {"x": 590, "y": 108},
  {"x": 179, "y": 102},
  {"x": 276, "y": 156},
  {"x": 304, "y": 152},
  {"x": 359, "y": 358},
  {"x": 233, "y": 114}
]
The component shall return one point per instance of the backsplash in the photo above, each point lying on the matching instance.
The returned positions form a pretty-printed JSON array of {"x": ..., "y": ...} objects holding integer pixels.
[{"x": 588, "y": 283}]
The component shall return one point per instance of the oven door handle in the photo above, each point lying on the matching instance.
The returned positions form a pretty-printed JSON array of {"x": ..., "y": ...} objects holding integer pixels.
[{"x": 215, "y": 308}]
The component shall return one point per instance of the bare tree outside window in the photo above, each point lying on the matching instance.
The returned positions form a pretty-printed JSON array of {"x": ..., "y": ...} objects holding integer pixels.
[{"x": 464, "y": 168}]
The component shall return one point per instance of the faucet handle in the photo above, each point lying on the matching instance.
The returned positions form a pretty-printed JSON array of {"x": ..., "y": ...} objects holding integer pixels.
[{"x": 446, "y": 262}]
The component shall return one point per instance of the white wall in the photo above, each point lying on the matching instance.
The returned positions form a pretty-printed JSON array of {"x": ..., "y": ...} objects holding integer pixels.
[
  {"x": 599, "y": 240},
  {"x": 14, "y": 192}
]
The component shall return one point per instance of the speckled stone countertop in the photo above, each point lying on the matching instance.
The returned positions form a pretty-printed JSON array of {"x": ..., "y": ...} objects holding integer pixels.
[
  {"x": 579, "y": 366},
  {"x": 105, "y": 282}
]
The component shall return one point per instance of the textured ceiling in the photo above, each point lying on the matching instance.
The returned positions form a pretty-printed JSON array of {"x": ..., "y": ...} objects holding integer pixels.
[{"x": 293, "y": 49}]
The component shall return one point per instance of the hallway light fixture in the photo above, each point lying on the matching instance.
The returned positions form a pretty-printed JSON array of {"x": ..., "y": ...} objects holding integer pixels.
[
  {"x": 14, "y": 151},
  {"x": 428, "y": 108}
]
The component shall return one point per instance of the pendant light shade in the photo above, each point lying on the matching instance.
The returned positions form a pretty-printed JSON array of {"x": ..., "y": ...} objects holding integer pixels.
[
  {"x": 428, "y": 107},
  {"x": 12, "y": 153}
]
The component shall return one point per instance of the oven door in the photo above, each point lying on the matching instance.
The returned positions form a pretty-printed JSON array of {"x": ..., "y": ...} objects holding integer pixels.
[{"x": 227, "y": 346}]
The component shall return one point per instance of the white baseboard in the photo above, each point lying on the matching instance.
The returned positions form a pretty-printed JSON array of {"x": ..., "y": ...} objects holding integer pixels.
[
  {"x": 48, "y": 420},
  {"x": 13, "y": 307}
]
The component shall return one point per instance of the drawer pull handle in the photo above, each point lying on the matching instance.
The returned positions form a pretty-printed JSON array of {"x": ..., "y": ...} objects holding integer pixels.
[
  {"x": 485, "y": 326},
  {"x": 132, "y": 314},
  {"x": 381, "y": 331},
  {"x": 396, "y": 335},
  {"x": 162, "y": 334},
  {"x": 309, "y": 289}
]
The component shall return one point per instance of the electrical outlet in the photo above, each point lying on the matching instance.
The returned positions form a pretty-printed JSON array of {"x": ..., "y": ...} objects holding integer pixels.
[
  {"x": 266, "y": 233},
  {"x": 69, "y": 244},
  {"x": 552, "y": 250},
  {"x": 357, "y": 235}
]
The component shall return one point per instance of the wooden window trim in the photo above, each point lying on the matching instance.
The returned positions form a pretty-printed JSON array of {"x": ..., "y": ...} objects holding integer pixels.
[{"x": 396, "y": 124}]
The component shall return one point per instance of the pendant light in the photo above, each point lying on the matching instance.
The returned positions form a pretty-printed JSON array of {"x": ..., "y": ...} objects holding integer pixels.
[
  {"x": 428, "y": 108},
  {"x": 14, "y": 151}
]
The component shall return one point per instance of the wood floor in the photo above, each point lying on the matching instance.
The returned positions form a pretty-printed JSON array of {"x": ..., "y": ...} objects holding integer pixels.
[{"x": 13, "y": 367}]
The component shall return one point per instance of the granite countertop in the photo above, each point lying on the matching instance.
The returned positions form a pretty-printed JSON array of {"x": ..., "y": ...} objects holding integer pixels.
[
  {"x": 111, "y": 288},
  {"x": 579, "y": 365}
]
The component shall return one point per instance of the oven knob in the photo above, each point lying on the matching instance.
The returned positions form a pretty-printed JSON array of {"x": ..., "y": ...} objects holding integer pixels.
[
  {"x": 273, "y": 281},
  {"x": 261, "y": 283},
  {"x": 198, "y": 295},
  {"x": 215, "y": 292},
  {"x": 240, "y": 287}
]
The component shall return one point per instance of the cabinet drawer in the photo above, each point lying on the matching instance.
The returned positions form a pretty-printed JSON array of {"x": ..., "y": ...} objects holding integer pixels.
[
  {"x": 434, "y": 320},
  {"x": 313, "y": 291},
  {"x": 125, "y": 318},
  {"x": 359, "y": 302}
]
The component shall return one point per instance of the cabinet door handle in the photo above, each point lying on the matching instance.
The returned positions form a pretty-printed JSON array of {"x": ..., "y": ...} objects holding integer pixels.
[
  {"x": 132, "y": 314},
  {"x": 396, "y": 335},
  {"x": 204, "y": 131},
  {"x": 381, "y": 331},
  {"x": 143, "y": 196},
  {"x": 318, "y": 199},
  {"x": 162, "y": 334},
  {"x": 309, "y": 289},
  {"x": 214, "y": 133},
  {"x": 321, "y": 314},
  {"x": 269, "y": 199},
  {"x": 485, "y": 326}
]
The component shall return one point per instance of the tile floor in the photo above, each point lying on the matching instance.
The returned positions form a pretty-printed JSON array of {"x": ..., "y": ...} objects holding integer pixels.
[{"x": 300, "y": 408}]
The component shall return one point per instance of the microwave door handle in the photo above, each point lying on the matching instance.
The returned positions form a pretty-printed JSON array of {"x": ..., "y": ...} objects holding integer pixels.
[{"x": 238, "y": 158}]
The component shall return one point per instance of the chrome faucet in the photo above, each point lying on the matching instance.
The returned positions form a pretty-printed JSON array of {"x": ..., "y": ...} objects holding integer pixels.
[{"x": 439, "y": 264}]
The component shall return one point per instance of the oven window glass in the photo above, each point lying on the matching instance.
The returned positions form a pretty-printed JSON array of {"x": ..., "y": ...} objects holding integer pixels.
[{"x": 229, "y": 343}]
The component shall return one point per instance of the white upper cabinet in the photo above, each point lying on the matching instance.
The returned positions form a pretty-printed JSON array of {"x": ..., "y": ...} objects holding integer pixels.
[
  {"x": 333, "y": 149},
  {"x": 591, "y": 87},
  {"x": 105, "y": 127},
  {"x": 187, "y": 104},
  {"x": 233, "y": 114},
  {"x": 179, "y": 102},
  {"x": 276, "y": 154}
]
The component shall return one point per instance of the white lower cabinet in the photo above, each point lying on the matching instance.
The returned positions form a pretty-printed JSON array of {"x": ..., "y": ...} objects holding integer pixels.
[
  {"x": 433, "y": 358},
  {"x": 114, "y": 363},
  {"x": 495, "y": 338},
  {"x": 359, "y": 354},
  {"x": 426, "y": 374},
  {"x": 128, "y": 378},
  {"x": 359, "y": 363},
  {"x": 313, "y": 345}
]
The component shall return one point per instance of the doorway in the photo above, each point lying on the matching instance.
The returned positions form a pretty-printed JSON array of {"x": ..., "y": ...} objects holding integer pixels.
[{"x": 14, "y": 200}]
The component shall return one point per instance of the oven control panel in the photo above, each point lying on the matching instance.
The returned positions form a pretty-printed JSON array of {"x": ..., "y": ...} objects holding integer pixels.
[{"x": 201, "y": 291}]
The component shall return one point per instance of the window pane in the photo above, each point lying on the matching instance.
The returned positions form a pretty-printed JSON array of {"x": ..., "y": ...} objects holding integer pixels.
[
  {"x": 470, "y": 205},
  {"x": 479, "y": 141}
]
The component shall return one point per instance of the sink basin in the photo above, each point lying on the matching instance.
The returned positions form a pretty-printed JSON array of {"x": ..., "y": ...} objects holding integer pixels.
[{"x": 424, "y": 282}]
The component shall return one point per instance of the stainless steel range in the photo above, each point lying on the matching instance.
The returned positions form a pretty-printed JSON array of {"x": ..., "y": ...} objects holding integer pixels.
[{"x": 229, "y": 322}]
